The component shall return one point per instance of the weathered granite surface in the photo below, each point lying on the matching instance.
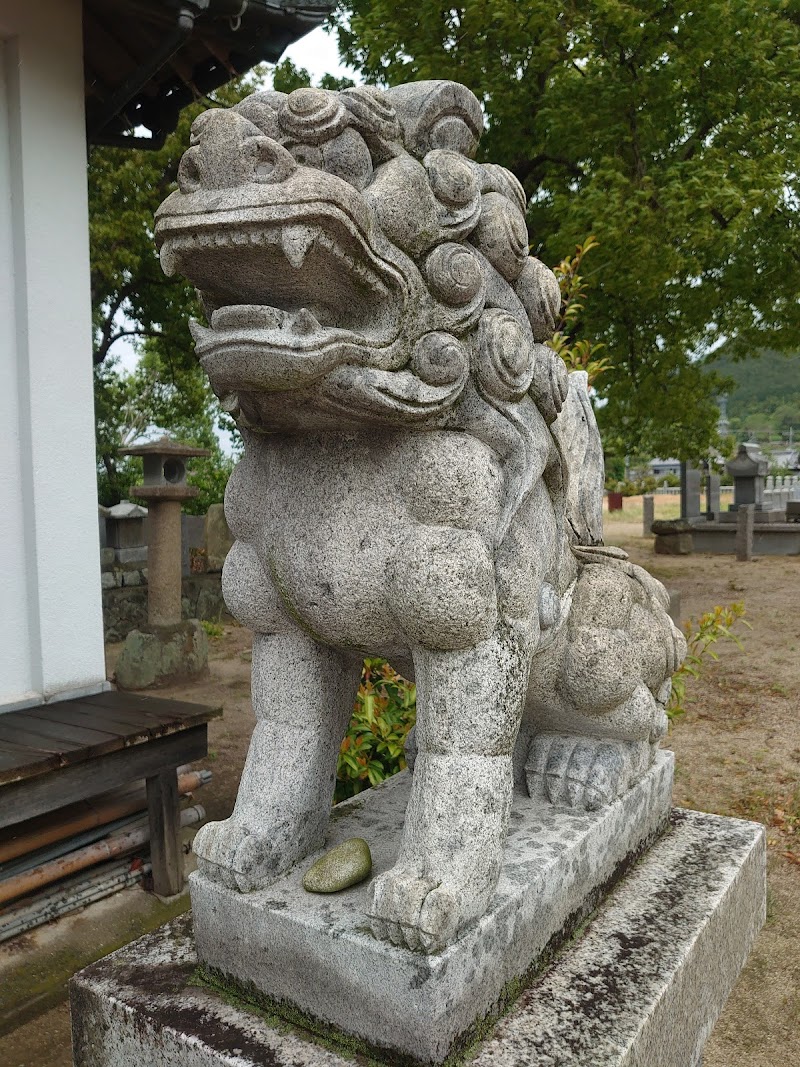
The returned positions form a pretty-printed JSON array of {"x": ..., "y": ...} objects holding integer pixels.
[
  {"x": 641, "y": 987},
  {"x": 162, "y": 653},
  {"x": 317, "y": 954},
  {"x": 422, "y": 480}
]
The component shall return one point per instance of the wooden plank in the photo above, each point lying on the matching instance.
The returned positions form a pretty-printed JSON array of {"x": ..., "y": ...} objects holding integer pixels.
[
  {"x": 9, "y": 760},
  {"x": 18, "y": 735},
  {"x": 68, "y": 743},
  {"x": 24, "y": 762},
  {"x": 74, "y": 733},
  {"x": 20, "y": 750},
  {"x": 162, "y": 709},
  {"x": 166, "y": 853},
  {"x": 119, "y": 722},
  {"x": 26, "y": 799}
]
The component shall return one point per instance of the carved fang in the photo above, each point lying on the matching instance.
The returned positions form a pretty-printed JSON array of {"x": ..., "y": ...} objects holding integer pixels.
[
  {"x": 304, "y": 322},
  {"x": 296, "y": 241}
]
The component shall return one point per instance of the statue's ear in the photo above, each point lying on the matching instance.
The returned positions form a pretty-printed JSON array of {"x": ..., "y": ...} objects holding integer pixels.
[{"x": 437, "y": 114}]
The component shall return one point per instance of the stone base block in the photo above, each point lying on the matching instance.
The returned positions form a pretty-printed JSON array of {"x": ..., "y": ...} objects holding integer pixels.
[
  {"x": 762, "y": 515},
  {"x": 313, "y": 952},
  {"x": 641, "y": 987},
  {"x": 679, "y": 544},
  {"x": 162, "y": 654}
]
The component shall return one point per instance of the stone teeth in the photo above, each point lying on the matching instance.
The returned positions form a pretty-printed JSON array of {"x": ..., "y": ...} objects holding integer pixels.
[
  {"x": 296, "y": 242},
  {"x": 246, "y": 316},
  {"x": 196, "y": 330},
  {"x": 167, "y": 257},
  {"x": 304, "y": 322},
  {"x": 230, "y": 403}
]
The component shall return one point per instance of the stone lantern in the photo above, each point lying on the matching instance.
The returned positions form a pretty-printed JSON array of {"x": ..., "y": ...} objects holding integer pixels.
[
  {"x": 749, "y": 469},
  {"x": 171, "y": 647},
  {"x": 165, "y": 488}
]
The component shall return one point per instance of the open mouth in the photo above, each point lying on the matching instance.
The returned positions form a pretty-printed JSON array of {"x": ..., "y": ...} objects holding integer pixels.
[{"x": 287, "y": 287}]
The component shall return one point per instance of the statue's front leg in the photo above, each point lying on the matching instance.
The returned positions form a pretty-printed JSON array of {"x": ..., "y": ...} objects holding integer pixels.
[
  {"x": 469, "y": 705},
  {"x": 303, "y": 695}
]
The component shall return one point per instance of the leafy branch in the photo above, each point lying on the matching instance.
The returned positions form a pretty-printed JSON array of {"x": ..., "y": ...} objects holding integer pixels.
[
  {"x": 713, "y": 626},
  {"x": 384, "y": 712},
  {"x": 577, "y": 353}
]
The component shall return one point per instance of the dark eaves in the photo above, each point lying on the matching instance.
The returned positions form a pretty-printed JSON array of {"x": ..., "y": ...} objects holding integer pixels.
[{"x": 145, "y": 60}]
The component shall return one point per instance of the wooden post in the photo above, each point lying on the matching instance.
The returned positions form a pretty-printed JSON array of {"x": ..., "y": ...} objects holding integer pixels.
[{"x": 163, "y": 809}]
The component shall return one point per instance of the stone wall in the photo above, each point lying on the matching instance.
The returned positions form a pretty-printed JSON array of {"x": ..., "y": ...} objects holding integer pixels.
[{"x": 125, "y": 606}]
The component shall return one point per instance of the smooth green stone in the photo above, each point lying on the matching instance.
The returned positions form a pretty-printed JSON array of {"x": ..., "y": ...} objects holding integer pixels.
[{"x": 345, "y": 865}]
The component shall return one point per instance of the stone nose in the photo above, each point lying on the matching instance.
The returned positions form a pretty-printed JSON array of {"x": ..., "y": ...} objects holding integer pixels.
[{"x": 228, "y": 150}]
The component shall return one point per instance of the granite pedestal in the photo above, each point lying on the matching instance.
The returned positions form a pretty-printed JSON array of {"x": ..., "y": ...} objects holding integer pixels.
[
  {"x": 314, "y": 953},
  {"x": 641, "y": 986}
]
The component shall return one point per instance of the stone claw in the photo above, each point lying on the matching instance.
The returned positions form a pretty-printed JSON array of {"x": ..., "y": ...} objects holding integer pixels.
[
  {"x": 228, "y": 853},
  {"x": 584, "y": 772},
  {"x": 413, "y": 912}
]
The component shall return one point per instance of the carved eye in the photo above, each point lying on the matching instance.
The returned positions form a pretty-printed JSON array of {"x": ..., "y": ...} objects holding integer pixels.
[
  {"x": 439, "y": 359},
  {"x": 265, "y": 161},
  {"x": 454, "y": 274}
]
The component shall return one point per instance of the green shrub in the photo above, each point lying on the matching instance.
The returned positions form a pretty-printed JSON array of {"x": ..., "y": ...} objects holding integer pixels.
[
  {"x": 713, "y": 626},
  {"x": 385, "y": 710}
]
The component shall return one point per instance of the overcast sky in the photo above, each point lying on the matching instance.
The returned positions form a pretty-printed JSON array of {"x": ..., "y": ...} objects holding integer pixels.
[{"x": 317, "y": 52}]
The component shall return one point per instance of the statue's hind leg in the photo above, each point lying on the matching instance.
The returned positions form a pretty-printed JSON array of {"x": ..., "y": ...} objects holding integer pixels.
[
  {"x": 303, "y": 695},
  {"x": 469, "y": 705},
  {"x": 598, "y": 695}
]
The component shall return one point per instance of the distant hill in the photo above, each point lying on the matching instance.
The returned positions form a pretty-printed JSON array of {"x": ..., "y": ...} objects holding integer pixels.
[{"x": 765, "y": 403}]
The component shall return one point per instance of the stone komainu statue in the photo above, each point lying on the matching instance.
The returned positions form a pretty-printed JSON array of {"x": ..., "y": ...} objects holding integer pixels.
[{"x": 422, "y": 480}]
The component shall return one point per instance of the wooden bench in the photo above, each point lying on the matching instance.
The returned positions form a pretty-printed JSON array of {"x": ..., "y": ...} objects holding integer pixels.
[{"x": 55, "y": 754}]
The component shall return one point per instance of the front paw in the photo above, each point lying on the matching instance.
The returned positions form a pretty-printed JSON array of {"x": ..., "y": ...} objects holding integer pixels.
[
  {"x": 228, "y": 853},
  {"x": 414, "y": 912}
]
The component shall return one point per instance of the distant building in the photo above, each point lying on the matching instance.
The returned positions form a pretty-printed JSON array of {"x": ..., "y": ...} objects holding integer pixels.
[
  {"x": 659, "y": 468},
  {"x": 783, "y": 456}
]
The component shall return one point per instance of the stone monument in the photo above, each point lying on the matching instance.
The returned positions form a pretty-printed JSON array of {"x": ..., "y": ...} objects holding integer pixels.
[{"x": 423, "y": 481}]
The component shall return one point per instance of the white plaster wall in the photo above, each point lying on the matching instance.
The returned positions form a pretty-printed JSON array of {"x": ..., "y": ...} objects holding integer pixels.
[{"x": 51, "y": 634}]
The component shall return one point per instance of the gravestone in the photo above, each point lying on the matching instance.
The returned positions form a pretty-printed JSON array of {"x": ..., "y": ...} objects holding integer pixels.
[
  {"x": 749, "y": 470},
  {"x": 712, "y": 481},
  {"x": 422, "y": 480},
  {"x": 691, "y": 486}
]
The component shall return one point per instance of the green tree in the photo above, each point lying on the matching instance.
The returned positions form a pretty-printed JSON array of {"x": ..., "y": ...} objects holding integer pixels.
[
  {"x": 132, "y": 298},
  {"x": 147, "y": 402},
  {"x": 666, "y": 129}
]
